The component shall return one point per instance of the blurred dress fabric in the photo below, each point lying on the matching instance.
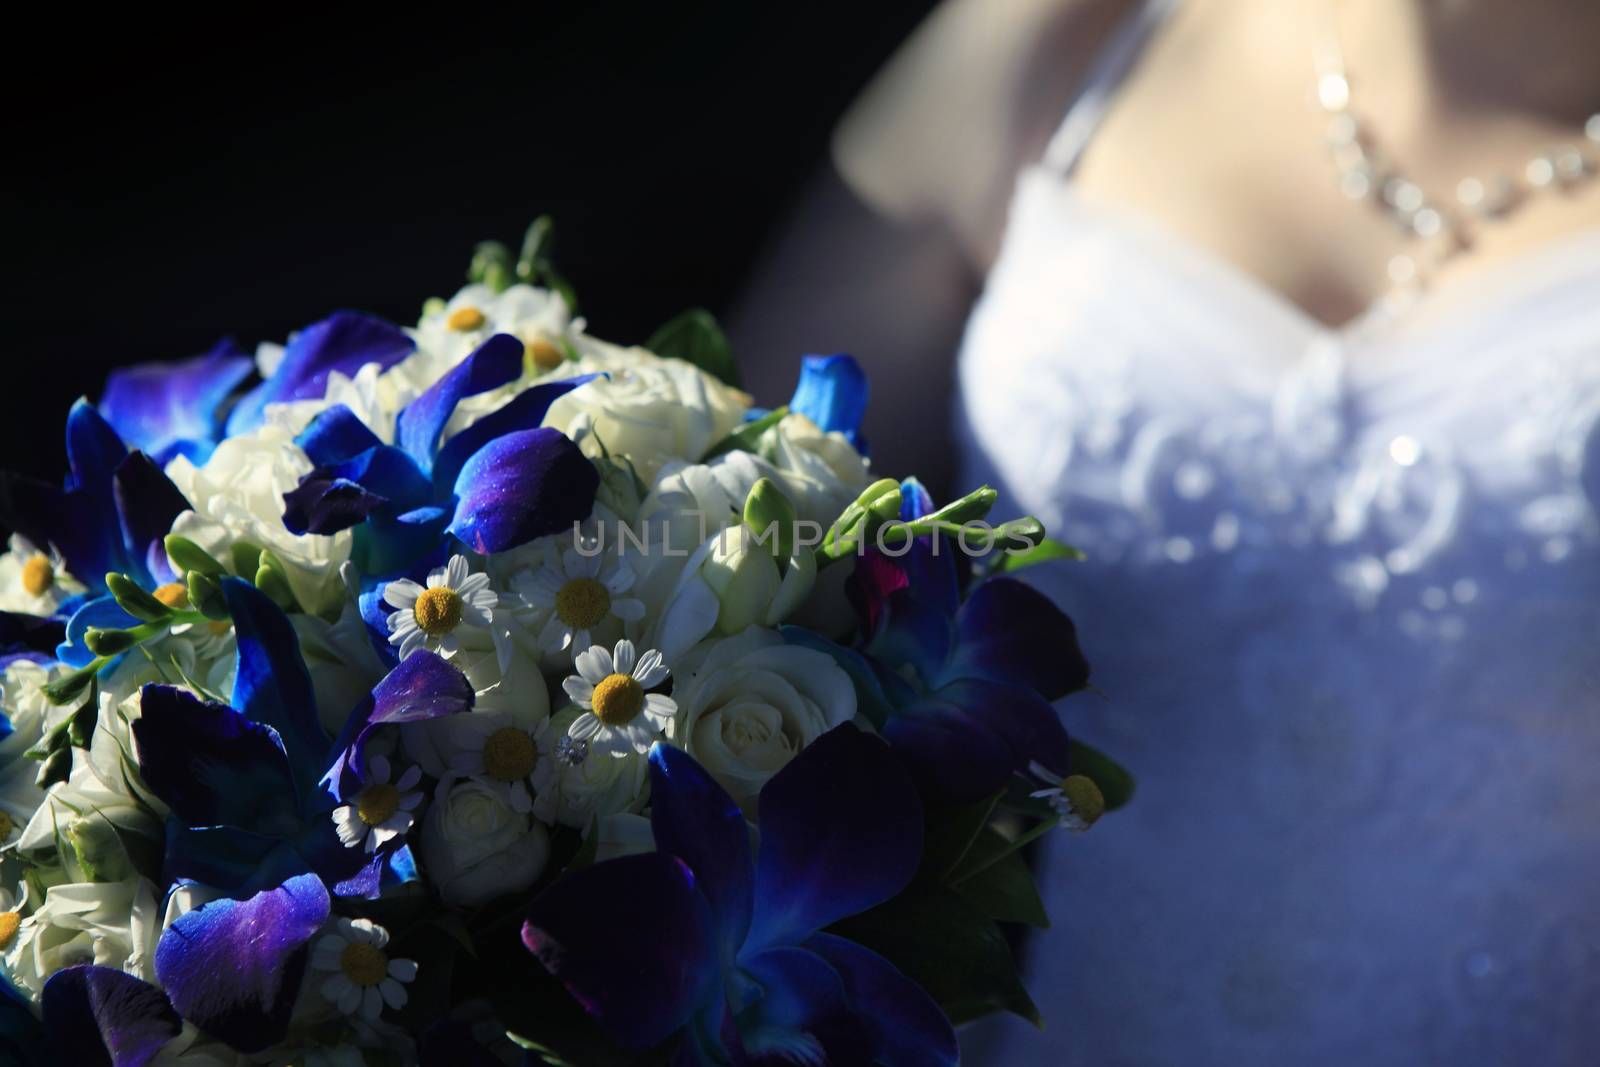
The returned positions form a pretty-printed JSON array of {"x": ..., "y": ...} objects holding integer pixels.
[{"x": 1343, "y": 599}]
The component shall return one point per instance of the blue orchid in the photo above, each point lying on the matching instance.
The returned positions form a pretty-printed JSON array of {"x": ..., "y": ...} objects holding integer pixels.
[
  {"x": 110, "y": 516},
  {"x": 728, "y": 954},
  {"x": 245, "y": 784},
  {"x": 233, "y": 968},
  {"x": 832, "y": 392},
  {"x": 175, "y": 409},
  {"x": 499, "y": 483},
  {"x": 962, "y": 689}
]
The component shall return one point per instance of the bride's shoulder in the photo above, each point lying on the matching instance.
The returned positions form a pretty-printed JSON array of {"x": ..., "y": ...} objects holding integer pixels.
[{"x": 972, "y": 95}]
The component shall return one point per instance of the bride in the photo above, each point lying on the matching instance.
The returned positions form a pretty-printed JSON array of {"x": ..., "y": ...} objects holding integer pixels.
[{"x": 1293, "y": 325}]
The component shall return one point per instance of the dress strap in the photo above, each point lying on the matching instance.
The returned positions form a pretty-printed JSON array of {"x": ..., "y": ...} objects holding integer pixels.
[{"x": 1105, "y": 75}]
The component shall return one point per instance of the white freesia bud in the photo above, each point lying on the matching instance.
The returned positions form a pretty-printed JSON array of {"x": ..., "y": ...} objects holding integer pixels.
[
  {"x": 475, "y": 847},
  {"x": 748, "y": 703},
  {"x": 572, "y": 785},
  {"x": 744, "y": 578}
]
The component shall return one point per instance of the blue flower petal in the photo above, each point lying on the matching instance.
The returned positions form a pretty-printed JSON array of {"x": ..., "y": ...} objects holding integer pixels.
[
  {"x": 694, "y": 819},
  {"x": 102, "y": 613},
  {"x": 491, "y": 365},
  {"x": 229, "y": 858},
  {"x": 525, "y": 411},
  {"x": 583, "y": 928},
  {"x": 336, "y": 435},
  {"x": 803, "y": 1015},
  {"x": 424, "y": 686},
  {"x": 521, "y": 486},
  {"x": 90, "y": 544},
  {"x": 340, "y": 495},
  {"x": 345, "y": 342},
  {"x": 234, "y": 967},
  {"x": 905, "y": 1026},
  {"x": 966, "y": 738},
  {"x": 389, "y": 547},
  {"x": 171, "y": 409},
  {"x": 101, "y": 1016},
  {"x": 23, "y": 1040},
  {"x": 1022, "y": 719},
  {"x": 841, "y": 831},
  {"x": 271, "y": 684},
  {"x": 211, "y": 765},
  {"x": 1011, "y": 632},
  {"x": 147, "y": 503},
  {"x": 832, "y": 393}
]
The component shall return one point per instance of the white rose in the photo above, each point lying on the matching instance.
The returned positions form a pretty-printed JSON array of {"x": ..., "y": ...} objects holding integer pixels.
[
  {"x": 111, "y": 924},
  {"x": 374, "y": 396},
  {"x": 475, "y": 847},
  {"x": 238, "y": 496},
  {"x": 821, "y": 473},
  {"x": 85, "y": 822},
  {"x": 574, "y": 793},
  {"x": 656, "y": 410},
  {"x": 747, "y": 704},
  {"x": 29, "y": 714}
]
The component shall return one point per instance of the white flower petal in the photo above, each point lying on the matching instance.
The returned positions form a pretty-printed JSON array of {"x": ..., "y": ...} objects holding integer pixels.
[
  {"x": 379, "y": 768},
  {"x": 579, "y": 690},
  {"x": 371, "y": 1002},
  {"x": 412, "y": 775},
  {"x": 624, "y": 658},
  {"x": 628, "y": 610},
  {"x": 402, "y": 593},
  {"x": 456, "y": 571},
  {"x": 403, "y": 970},
  {"x": 585, "y": 727},
  {"x": 394, "y": 994}
]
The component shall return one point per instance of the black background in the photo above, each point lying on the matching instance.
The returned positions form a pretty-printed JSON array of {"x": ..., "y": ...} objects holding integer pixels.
[{"x": 245, "y": 180}]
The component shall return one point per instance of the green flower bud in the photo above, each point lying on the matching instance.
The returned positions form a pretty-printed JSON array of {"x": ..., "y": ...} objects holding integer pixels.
[
  {"x": 491, "y": 265},
  {"x": 56, "y": 767},
  {"x": 271, "y": 580},
  {"x": 188, "y": 556},
  {"x": 98, "y": 849},
  {"x": 744, "y": 577},
  {"x": 67, "y": 688},
  {"x": 109, "y": 642},
  {"x": 134, "y": 600},
  {"x": 770, "y": 516},
  {"x": 206, "y": 595}
]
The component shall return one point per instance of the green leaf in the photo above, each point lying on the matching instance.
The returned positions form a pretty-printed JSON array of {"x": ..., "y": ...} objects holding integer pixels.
[
  {"x": 1044, "y": 552},
  {"x": 1115, "y": 783},
  {"x": 695, "y": 337},
  {"x": 948, "y": 832},
  {"x": 747, "y": 438},
  {"x": 948, "y": 946},
  {"x": 1003, "y": 889}
]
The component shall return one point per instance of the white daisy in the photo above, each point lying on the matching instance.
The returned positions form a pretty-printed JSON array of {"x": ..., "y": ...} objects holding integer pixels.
[
  {"x": 429, "y": 617},
  {"x": 34, "y": 580},
  {"x": 363, "y": 977},
  {"x": 492, "y": 749},
  {"x": 621, "y": 716},
  {"x": 1076, "y": 800},
  {"x": 574, "y": 593},
  {"x": 381, "y": 810}
]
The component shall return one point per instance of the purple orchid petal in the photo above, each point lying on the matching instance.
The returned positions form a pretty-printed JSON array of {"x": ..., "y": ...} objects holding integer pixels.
[
  {"x": 210, "y": 764},
  {"x": 232, "y": 859},
  {"x": 271, "y": 684},
  {"x": 525, "y": 411},
  {"x": 905, "y": 1026},
  {"x": 1019, "y": 717},
  {"x": 641, "y": 971},
  {"x": 832, "y": 392},
  {"x": 424, "y": 686},
  {"x": 491, "y": 365},
  {"x": 234, "y": 967},
  {"x": 841, "y": 831},
  {"x": 345, "y": 342},
  {"x": 336, "y": 435},
  {"x": 1011, "y": 632},
  {"x": 100, "y": 1016},
  {"x": 147, "y": 503},
  {"x": 521, "y": 486},
  {"x": 171, "y": 409},
  {"x": 694, "y": 819}
]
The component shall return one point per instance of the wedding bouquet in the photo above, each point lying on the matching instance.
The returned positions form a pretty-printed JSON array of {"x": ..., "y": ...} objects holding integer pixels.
[{"x": 482, "y": 692}]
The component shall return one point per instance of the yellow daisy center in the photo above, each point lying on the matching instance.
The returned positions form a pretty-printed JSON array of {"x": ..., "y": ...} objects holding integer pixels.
[
  {"x": 9, "y": 922},
  {"x": 38, "y": 575},
  {"x": 438, "y": 610},
  {"x": 364, "y": 964},
  {"x": 509, "y": 755},
  {"x": 582, "y": 603},
  {"x": 377, "y": 803},
  {"x": 618, "y": 700},
  {"x": 464, "y": 319},
  {"x": 1088, "y": 803},
  {"x": 173, "y": 595},
  {"x": 544, "y": 353}
]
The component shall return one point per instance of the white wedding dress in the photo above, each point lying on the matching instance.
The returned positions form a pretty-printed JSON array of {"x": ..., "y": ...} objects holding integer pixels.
[{"x": 1343, "y": 600}]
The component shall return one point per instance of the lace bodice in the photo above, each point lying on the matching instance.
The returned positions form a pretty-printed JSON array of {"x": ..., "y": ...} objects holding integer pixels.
[{"x": 1343, "y": 598}]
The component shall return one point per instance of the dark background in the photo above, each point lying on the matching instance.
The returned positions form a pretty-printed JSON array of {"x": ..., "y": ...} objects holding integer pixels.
[{"x": 247, "y": 180}]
